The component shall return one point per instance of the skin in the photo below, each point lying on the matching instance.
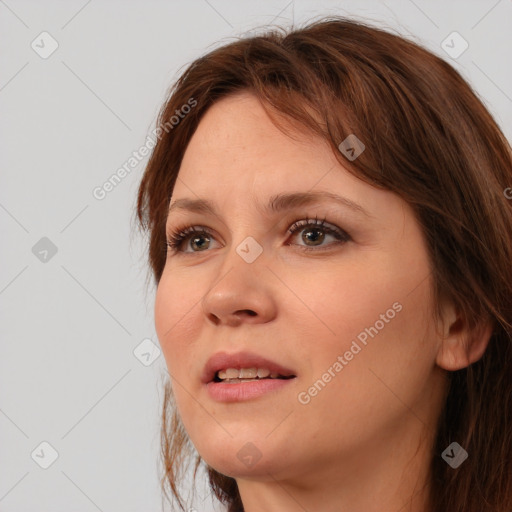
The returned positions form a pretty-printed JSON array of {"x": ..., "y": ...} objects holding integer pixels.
[{"x": 363, "y": 443}]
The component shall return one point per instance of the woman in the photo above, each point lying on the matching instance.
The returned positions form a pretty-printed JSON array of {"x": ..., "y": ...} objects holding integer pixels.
[{"x": 331, "y": 241}]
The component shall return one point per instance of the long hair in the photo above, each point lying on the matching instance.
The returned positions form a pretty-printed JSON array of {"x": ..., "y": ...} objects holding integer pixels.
[{"x": 429, "y": 139}]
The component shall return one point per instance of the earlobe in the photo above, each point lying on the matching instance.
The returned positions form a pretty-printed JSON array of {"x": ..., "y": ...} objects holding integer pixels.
[
  {"x": 460, "y": 346},
  {"x": 452, "y": 355}
]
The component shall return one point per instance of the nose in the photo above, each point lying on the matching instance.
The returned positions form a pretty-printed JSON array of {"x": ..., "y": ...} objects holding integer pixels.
[{"x": 242, "y": 294}]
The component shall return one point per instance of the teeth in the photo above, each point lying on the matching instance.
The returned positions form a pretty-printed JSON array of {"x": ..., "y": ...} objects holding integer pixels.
[
  {"x": 232, "y": 373},
  {"x": 263, "y": 372},
  {"x": 246, "y": 374},
  {"x": 234, "y": 381}
]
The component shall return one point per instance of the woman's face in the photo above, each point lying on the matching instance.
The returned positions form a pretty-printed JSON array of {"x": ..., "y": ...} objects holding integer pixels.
[{"x": 344, "y": 307}]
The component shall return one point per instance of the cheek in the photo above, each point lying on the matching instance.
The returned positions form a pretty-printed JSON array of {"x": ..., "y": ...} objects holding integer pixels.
[
  {"x": 341, "y": 304},
  {"x": 377, "y": 322},
  {"x": 175, "y": 306}
]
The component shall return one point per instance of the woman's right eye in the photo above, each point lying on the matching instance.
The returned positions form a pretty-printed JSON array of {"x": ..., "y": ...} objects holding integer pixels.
[{"x": 194, "y": 234}]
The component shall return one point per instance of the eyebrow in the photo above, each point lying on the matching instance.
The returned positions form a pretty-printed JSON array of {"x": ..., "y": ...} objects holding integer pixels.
[{"x": 276, "y": 204}]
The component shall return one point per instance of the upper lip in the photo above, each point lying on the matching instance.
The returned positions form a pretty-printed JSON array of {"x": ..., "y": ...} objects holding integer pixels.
[{"x": 224, "y": 360}]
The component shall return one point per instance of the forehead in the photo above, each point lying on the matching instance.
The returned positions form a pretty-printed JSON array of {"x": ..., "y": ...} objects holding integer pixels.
[
  {"x": 236, "y": 139},
  {"x": 241, "y": 122}
]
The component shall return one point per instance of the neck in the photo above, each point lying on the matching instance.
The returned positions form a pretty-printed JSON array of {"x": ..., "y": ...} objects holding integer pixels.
[{"x": 391, "y": 474}]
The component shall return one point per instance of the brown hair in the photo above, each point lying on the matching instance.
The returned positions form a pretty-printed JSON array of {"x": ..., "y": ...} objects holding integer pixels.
[{"x": 430, "y": 140}]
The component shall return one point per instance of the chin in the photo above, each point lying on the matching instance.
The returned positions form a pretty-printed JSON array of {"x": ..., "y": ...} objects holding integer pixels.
[
  {"x": 260, "y": 471},
  {"x": 239, "y": 458}
]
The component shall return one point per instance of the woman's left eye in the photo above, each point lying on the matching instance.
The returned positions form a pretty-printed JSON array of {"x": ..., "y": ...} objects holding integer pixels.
[
  {"x": 316, "y": 230},
  {"x": 313, "y": 235}
]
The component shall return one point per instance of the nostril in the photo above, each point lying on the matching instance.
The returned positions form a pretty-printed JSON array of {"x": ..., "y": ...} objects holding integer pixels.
[
  {"x": 242, "y": 312},
  {"x": 249, "y": 312}
]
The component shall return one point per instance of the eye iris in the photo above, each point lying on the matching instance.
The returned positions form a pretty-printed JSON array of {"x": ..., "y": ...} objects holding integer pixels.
[
  {"x": 314, "y": 238},
  {"x": 199, "y": 237}
]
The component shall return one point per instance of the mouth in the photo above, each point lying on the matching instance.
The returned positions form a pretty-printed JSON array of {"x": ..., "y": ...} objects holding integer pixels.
[
  {"x": 222, "y": 367},
  {"x": 243, "y": 376},
  {"x": 235, "y": 375}
]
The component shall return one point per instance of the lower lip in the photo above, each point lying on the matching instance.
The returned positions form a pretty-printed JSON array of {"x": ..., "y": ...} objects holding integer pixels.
[{"x": 237, "y": 392}]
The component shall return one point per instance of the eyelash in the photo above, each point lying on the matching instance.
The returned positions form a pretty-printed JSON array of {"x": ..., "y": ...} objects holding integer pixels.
[{"x": 178, "y": 236}]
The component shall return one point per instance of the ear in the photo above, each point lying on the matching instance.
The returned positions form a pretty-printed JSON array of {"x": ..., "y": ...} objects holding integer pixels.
[{"x": 459, "y": 345}]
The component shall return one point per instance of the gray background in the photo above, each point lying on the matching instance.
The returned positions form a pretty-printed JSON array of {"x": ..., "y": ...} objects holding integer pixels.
[{"x": 70, "y": 321}]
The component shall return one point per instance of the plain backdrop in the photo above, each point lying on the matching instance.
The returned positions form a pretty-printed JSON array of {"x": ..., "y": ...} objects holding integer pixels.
[{"x": 80, "y": 369}]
